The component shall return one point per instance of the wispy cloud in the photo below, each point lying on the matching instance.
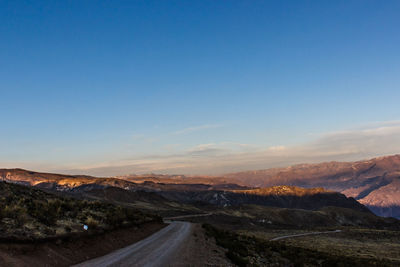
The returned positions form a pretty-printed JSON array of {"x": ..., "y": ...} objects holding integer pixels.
[
  {"x": 197, "y": 128},
  {"x": 214, "y": 158},
  {"x": 206, "y": 149}
]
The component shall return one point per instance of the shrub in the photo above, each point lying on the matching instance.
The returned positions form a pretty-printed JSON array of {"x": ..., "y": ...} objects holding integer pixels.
[
  {"x": 115, "y": 217},
  {"x": 92, "y": 223}
]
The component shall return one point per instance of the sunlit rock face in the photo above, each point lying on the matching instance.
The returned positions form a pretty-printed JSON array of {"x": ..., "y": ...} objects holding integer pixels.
[{"x": 374, "y": 183}]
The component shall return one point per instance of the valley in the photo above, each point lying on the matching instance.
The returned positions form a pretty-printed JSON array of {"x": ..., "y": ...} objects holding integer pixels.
[
  {"x": 268, "y": 224},
  {"x": 200, "y": 133}
]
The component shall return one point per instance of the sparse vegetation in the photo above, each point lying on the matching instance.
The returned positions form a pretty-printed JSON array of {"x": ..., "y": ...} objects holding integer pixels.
[
  {"x": 27, "y": 213},
  {"x": 246, "y": 250}
]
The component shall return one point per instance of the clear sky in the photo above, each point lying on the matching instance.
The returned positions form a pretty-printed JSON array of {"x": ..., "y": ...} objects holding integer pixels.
[{"x": 196, "y": 86}]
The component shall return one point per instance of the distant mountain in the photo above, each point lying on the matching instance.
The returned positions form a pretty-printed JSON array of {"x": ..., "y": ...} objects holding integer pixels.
[
  {"x": 175, "y": 179},
  {"x": 61, "y": 182},
  {"x": 374, "y": 183}
]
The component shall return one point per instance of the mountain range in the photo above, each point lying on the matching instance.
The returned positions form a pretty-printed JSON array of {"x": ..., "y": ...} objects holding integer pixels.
[
  {"x": 375, "y": 183},
  {"x": 217, "y": 195}
]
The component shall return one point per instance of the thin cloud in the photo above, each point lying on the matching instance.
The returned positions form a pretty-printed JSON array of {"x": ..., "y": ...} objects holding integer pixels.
[
  {"x": 216, "y": 158},
  {"x": 205, "y": 149}
]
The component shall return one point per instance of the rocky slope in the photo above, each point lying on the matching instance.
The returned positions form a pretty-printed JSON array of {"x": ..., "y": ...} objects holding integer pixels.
[{"x": 374, "y": 183}]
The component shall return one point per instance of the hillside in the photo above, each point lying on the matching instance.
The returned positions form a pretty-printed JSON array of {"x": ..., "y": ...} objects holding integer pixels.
[
  {"x": 31, "y": 214},
  {"x": 375, "y": 182},
  {"x": 279, "y": 196}
]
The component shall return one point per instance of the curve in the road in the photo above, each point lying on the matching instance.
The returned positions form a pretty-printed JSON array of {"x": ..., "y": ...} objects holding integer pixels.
[
  {"x": 305, "y": 234},
  {"x": 187, "y": 216},
  {"x": 156, "y": 250}
]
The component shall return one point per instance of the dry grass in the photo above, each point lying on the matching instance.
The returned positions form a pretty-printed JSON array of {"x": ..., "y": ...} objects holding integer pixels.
[
  {"x": 363, "y": 243},
  {"x": 357, "y": 247},
  {"x": 31, "y": 214}
]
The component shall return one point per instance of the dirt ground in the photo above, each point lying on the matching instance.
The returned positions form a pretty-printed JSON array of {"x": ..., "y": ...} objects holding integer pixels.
[
  {"x": 65, "y": 253},
  {"x": 200, "y": 250}
]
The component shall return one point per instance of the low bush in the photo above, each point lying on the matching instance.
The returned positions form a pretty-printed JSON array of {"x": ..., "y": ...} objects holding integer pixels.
[{"x": 92, "y": 223}]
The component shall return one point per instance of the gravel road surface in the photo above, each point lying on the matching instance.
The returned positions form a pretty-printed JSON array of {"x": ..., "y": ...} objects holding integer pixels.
[{"x": 156, "y": 250}]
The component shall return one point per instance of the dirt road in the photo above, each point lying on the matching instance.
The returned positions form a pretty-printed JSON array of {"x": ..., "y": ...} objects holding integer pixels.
[
  {"x": 312, "y": 233},
  {"x": 156, "y": 250},
  {"x": 187, "y": 216}
]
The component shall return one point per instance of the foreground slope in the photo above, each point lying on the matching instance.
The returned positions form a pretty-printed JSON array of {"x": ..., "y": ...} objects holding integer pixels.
[{"x": 31, "y": 214}]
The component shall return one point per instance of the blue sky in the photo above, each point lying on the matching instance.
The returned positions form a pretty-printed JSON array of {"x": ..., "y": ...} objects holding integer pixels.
[{"x": 168, "y": 85}]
